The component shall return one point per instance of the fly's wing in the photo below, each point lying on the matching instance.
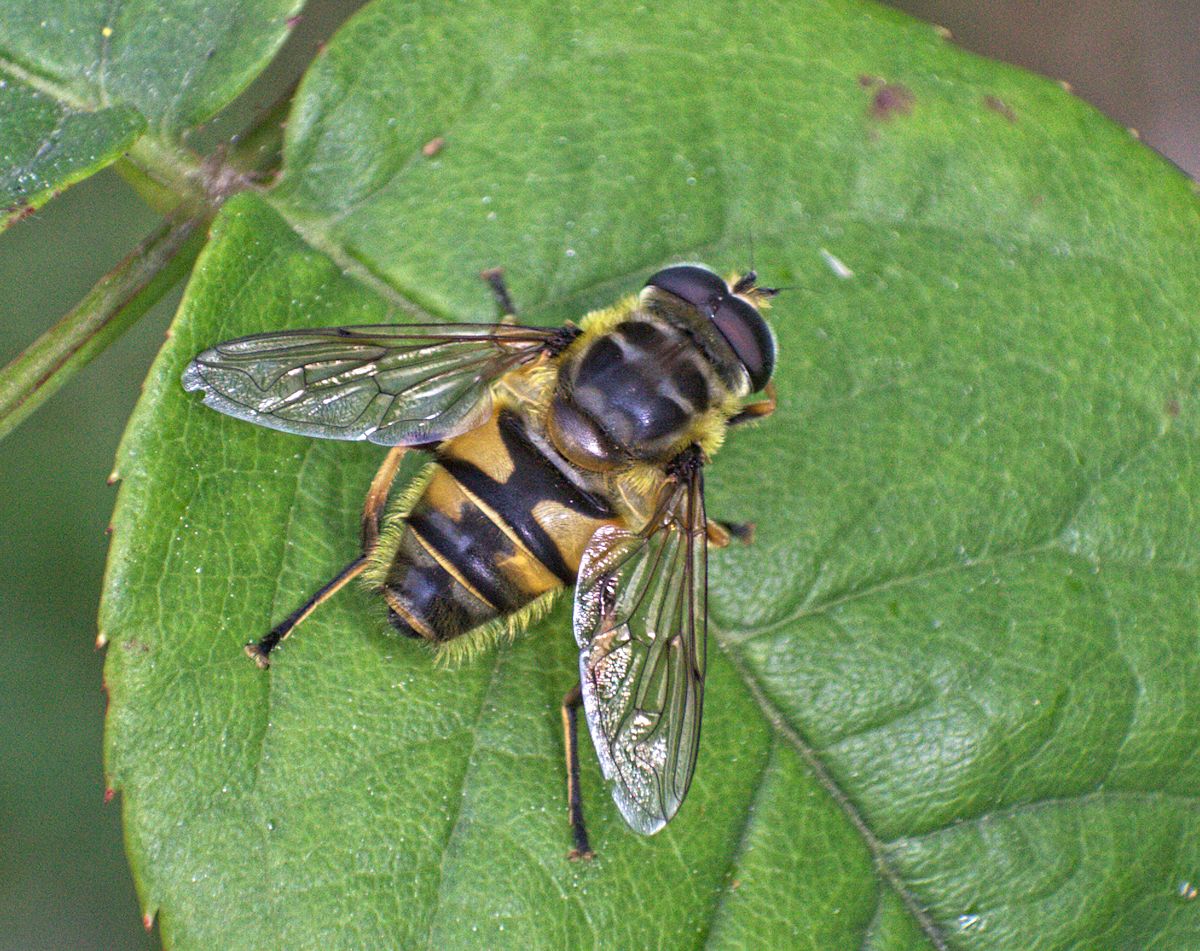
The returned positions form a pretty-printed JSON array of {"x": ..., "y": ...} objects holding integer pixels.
[
  {"x": 640, "y": 620},
  {"x": 392, "y": 385}
]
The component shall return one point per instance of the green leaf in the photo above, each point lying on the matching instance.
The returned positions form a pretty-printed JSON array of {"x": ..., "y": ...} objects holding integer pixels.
[
  {"x": 952, "y": 684},
  {"x": 176, "y": 64},
  {"x": 46, "y": 146}
]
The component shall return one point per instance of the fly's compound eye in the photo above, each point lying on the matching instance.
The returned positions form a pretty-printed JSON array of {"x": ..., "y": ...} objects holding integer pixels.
[
  {"x": 740, "y": 323},
  {"x": 747, "y": 333},
  {"x": 699, "y": 286}
]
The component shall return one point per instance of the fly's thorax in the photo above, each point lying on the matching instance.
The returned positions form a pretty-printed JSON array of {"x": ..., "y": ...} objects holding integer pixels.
[{"x": 641, "y": 389}]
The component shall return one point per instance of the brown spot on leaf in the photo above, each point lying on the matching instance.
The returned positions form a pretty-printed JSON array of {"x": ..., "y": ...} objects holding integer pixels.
[
  {"x": 1172, "y": 408},
  {"x": 19, "y": 213},
  {"x": 892, "y": 99},
  {"x": 433, "y": 146},
  {"x": 292, "y": 21},
  {"x": 867, "y": 81},
  {"x": 996, "y": 104}
]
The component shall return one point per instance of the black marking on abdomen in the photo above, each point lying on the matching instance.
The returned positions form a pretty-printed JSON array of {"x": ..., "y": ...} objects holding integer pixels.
[
  {"x": 534, "y": 479},
  {"x": 401, "y": 625},
  {"x": 472, "y": 545},
  {"x": 425, "y": 595}
]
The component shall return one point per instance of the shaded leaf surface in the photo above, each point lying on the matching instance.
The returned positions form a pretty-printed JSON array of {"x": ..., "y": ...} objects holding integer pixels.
[
  {"x": 175, "y": 63},
  {"x": 951, "y": 698},
  {"x": 45, "y": 146}
]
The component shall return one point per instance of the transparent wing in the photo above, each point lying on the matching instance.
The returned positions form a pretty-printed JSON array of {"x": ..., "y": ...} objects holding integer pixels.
[
  {"x": 641, "y": 624},
  {"x": 392, "y": 385}
]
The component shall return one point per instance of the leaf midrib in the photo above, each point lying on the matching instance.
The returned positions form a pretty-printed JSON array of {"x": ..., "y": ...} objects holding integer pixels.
[{"x": 464, "y": 783}]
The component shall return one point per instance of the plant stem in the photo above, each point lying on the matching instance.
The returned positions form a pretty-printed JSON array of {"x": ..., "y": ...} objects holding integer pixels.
[
  {"x": 108, "y": 310},
  {"x": 189, "y": 189},
  {"x": 258, "y": 149},
  {"x": 173, "y": 168}
]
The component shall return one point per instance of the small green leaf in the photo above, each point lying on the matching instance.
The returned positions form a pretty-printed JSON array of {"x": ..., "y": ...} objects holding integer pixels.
[
  {"x": 176, "y": 64},
  {"x": 952, "y": 685},
  {"x": 47, "y": 146}
]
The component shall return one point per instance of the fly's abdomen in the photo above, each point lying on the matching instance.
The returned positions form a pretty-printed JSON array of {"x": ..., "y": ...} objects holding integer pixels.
[{"x": 499, "y": 524}]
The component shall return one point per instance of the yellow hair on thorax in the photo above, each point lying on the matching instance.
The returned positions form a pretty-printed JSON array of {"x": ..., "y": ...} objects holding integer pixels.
[
  {"x": 528, "y": 389},
  {"x": 601, "y": 321}
]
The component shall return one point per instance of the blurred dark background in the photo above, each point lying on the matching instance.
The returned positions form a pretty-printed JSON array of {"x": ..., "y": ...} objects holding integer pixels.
[{"x": 64, "y": 882}]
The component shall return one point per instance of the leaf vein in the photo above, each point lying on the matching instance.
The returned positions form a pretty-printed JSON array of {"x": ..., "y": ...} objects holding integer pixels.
[
  {"x": 876, "y": 847},
  {"x": 455, "y": 826},
  {"x": 741, "y": 843}
]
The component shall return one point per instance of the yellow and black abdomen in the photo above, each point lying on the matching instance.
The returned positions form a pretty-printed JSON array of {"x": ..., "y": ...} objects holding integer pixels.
[{"x": 502, "y": 521}]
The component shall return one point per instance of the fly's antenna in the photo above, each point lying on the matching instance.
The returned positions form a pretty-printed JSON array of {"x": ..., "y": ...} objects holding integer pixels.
[{"x": 748, "y": 285}]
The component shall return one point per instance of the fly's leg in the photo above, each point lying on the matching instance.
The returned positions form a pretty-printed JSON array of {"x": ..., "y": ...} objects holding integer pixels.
[
  {"x": 720, "y": 534},
  {"x": 570, "y": 714},
  {"x": 259, "y": 651},
  {"x": 377, "y": 496},
  {"x": 760, "y": 410},
  {"x": 494, "y": 277}
]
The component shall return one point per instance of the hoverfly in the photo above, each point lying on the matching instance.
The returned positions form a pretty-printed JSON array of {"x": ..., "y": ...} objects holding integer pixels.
[{"x": 561, "y": 456}]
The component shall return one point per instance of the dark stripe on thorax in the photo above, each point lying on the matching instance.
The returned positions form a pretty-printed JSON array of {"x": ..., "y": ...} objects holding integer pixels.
[
  {"x": 535, "y": 478},
  {"x": 644, "y": 384},
  {"x": 658, "y": 350}
]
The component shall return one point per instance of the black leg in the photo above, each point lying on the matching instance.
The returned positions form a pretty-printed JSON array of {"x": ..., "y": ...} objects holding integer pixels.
[
  {"x": 495, "y": 280},
  {"x": 258, "y": 651},
  {"x": 377, "y": 495},
  {"x": 570, "y": 711}
]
